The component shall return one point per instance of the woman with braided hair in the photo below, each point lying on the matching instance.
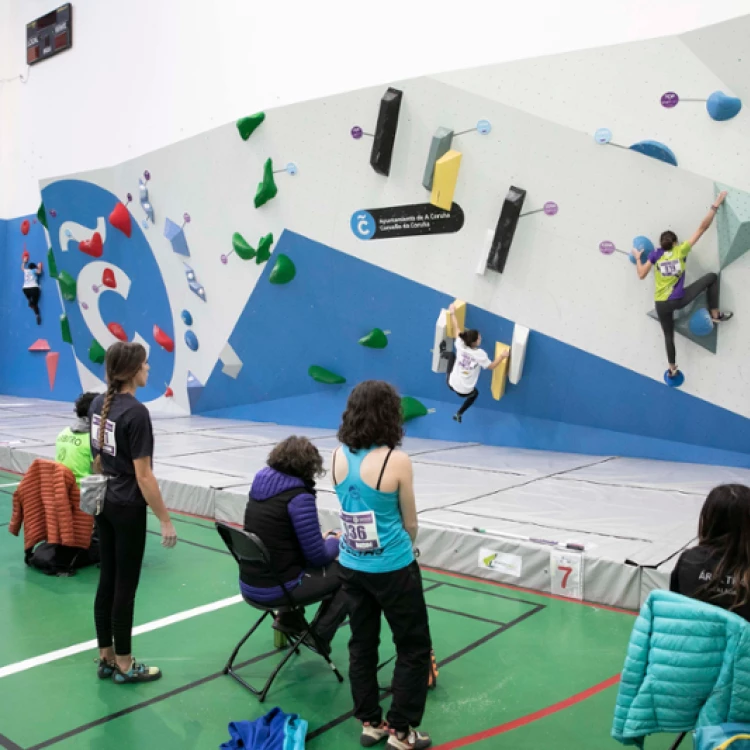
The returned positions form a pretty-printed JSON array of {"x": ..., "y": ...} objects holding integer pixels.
[{"x": 122, "y": 444}]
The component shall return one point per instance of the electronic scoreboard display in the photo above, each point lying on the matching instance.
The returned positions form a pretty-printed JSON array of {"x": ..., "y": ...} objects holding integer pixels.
[{"x": 49, "y": 34}]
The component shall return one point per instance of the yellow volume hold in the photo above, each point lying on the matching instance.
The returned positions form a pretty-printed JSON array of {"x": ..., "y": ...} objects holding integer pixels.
[
  {"x": 444, "y": 180},
  {"x": 500, "y": 373}
]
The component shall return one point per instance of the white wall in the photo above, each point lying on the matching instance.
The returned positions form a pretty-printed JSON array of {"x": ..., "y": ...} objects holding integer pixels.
[{"x": 144, "y": 74}]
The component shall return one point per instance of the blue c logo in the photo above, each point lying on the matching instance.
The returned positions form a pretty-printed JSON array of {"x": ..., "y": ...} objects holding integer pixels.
[{"x": 363, "y": 225}]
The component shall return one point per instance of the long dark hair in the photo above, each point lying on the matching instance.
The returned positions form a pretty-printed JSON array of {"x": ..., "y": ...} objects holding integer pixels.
[
  {"x": 667, "y": 240},
  {"x": 123, "y": 361},
  {"x": 298, "y": 457},
  {"x": 470, "y": 336},
  {"x": 373, "y": 417},
  {"x": 724, "y": 527}
]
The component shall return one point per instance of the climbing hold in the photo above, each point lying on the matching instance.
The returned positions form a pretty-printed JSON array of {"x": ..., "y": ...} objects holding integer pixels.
[
  {"x": 241, "y": 247},
  {"x": 517, "y": 353},
  {"x": 248, "y": 125},
  {"x": 643, "y": 244},
  {"x": 25, "y": 226},
  {"x": 376, "y": 339},
  {"x": 93, "y": 247},
  {"x": 96, "y": 352},
  {"x": 321, "y": 375},
  {"x": 444, "y": 182},
  {"x": 231, "y": 363},
  {"x": 176, "y": 236},
  {"x": 439, "y": 146},
  {"x": 117, "y": 331},
  {"x": 701, "y": 323},
  {"x": 655, "y": 150},
  {"x": 283, "y": 271},
  {"x": 603, "y": 136},
  {"x": 733, "y": 225},
  {"x": 25, "y": 255},
  {"x": 267, "y": 187},
  {"x": 384, "y": 137},
  {"x": 194, "y": 389},
  {"x": 108, "y": 278},
  {"x": 41, "y": 214},
  {"x": 191, "y": 340},
  {"x": 40, "y": 345},
  {"x": 411, "y": 408},
  {"x": 500, "y": 373},
  {"x": 676, "y": 381},
  {"x": 169, "y": 393},
  {"x": 195, "y": 287},
  {"x": 51, "y": 264},
  {"x": 506, "y": 229},
  {"x": 164, "y": 341},
  {"x": 67, "y": 286},
  {"x": 722, "y": 107},
  {"x": 264, "y": 248},
  {"x": 187, "y": 318},
  {"x": 460, "y": 308},
  {"x": 120, "y": 219},
  {"x": 145, "y": 203},
  {"x": 51, "y": 361},
  {"x": 65, "y": 329}
]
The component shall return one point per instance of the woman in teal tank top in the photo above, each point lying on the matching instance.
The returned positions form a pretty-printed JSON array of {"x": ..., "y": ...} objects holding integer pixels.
[{"x": 374, "y": 484}]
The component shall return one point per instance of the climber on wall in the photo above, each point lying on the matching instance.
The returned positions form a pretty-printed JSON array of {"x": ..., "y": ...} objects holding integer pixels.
[
  {"x": 31, "y": 273},
  {"x": 671, "y": 293},
  {"x": 462, "y": 380}
]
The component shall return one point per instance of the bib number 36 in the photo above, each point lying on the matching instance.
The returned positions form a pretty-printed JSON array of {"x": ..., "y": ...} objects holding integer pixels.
[{"x": 360, "y": 531}]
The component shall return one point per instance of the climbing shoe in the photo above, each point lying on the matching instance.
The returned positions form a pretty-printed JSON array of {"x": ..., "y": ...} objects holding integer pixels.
[
  {"x": 372, "y": 734},
  {"x": 105, "y": 669},
  {"x": 136, "y": 673},
  {"x": 413, "y": 740}
]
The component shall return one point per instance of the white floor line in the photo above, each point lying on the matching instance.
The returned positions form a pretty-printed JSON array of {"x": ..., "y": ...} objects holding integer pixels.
[
  {"x": 12, "y": 484},
  {"x": 63, "y": 653}
]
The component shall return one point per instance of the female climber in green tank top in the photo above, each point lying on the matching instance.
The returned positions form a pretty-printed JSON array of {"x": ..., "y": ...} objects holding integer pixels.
[{"x": 73, "y": 446}]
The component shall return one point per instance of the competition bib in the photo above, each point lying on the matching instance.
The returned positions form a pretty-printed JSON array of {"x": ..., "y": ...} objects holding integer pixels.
[
  {"x": 360, "y": 531},
  {"x": 670, "y": 268}
]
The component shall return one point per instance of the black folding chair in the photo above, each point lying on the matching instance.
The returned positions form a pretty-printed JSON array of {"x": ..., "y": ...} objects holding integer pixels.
[
  {"x": 678, "y": 741},
  {"x": 247, "y": 547}
]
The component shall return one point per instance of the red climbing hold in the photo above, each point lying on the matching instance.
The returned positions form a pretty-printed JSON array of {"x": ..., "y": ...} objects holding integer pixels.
[
  {"x": 93, "y": 247},
  {"x": 40, "y": 345},
  {"x": 120, "y": 219},
  {"x": 168, "y": 393},
  {"x": 25, "y": 257},
  {"x": 25, "y": 226},
  {"x": 51, "y": 360},
  {"x": 164, "y": 341},
  {"x": 108, "y": 278},
  {"x": 118, "y": 331}
]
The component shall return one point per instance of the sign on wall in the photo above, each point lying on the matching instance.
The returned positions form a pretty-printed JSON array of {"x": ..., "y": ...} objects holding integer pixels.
[{"x": 406, "y": 221}]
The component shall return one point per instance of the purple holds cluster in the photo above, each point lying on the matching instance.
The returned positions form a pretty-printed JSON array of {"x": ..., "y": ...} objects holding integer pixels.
[
  {"x": 606, "y": 247},
  {"x": 669, "y": 100},
  {"x": 356, "y": 132},
  {"x": 550, "y": 208}
]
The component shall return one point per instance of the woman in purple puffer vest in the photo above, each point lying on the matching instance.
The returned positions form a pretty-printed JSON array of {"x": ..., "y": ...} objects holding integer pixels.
[{"x": 282, "y": 512}]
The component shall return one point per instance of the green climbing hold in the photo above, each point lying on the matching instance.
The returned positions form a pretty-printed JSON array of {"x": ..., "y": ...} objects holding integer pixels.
[
  {"x": 267, "y": 188},
  {"x": 248, "y": 125},
  {"x": 51, "y": 265},
  {"x": 264, "y": 249},
  {"x": 283, "y": 271},
  {"x": 376, "y": 339},
  {"x": 321, "y": 375},
  {"x": 41, "y": 214},
  {"x": 411, "y": 408},
  {"x": 67, "y": 286},
  {"x": 96, "y": 352},
  {"x": 241, "y": 247},
  {"x": 65, "y": 329}
]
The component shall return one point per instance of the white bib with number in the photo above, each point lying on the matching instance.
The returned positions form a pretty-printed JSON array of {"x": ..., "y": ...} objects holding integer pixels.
[{"x": 360, "y": 531}]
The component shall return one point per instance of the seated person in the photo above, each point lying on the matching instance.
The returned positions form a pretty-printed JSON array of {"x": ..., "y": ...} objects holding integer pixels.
[
  {"x": 73, "y": 445},
  {"x": 282, "y": 512},
  {"x": 717, "y": 571}
]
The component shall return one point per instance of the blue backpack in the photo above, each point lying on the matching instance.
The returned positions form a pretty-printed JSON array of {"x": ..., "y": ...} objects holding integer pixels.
[{"x": 723, "y": 737}]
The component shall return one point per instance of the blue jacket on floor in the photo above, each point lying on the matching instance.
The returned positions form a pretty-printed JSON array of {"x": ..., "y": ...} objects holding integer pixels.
[
  {"x": 274, "y": 731},
  {"x": 687, "y": 666}
]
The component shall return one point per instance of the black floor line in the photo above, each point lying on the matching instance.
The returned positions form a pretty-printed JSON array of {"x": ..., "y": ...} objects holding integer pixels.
[
  {"x": 7, "y": 744},
  {"x": 493, "y": 594},
  {"x": 192, "y": 544},
  {"x": 200, "y": 524},
  {"x": 468, "y": 615}
]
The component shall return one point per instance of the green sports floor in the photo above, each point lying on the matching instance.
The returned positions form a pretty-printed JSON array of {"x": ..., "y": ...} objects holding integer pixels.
[{"x": 517, "y": 669}]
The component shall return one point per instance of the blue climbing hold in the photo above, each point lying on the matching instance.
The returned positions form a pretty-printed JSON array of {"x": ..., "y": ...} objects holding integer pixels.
[
  {"x": 643, "y": 244},
  {"x": 187, "y": 318},
  {"x": 191, "y": 340},
  {"x": 722, "y": 107},
  {"x": 700, "y": 322},
  {"x": 655, "y": 150},
  {"x": 676, "y": 381}
]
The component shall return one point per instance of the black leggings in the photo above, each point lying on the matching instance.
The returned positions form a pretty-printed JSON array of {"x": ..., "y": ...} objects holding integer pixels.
[
  {"x": 122, "y": 541},
  {"x": 469, "y": 398},
  {"x": 665, "y": 310},
  {"x": 32, "y": 295}
]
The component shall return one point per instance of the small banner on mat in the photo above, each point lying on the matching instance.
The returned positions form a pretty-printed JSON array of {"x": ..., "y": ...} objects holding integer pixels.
[
  {"x": 566, "y": 574},
  {"x": 500, "y": 562}
]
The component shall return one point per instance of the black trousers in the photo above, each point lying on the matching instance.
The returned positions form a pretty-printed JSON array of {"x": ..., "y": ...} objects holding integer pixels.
[
  {"x": 399, "y": 596},
  {"x": 32, "y": 295},
  {"x": 665, "y": 310},
  {"x": 122, "y": 542},
  {"x": 469, "y": 398}
]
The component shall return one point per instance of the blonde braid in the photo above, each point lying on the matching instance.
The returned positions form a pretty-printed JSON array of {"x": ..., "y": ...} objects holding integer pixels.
[{"x": 108, "y": 398}]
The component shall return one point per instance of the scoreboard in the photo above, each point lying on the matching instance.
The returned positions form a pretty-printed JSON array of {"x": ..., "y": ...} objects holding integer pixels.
[{"x": 49, "y": 34}]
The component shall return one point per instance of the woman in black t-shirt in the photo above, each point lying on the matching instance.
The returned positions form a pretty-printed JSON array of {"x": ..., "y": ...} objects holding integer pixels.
[
  {"x": 122, "y": 443},
  {"x": 717, "y": 571}
]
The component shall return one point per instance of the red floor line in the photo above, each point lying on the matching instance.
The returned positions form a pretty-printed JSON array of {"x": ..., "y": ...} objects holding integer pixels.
[
  {"x": 500, "y": 585},
  {"x": 529, "y": 718}
]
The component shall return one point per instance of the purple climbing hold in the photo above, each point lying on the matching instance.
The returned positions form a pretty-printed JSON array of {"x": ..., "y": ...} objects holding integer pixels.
[
  {"x": 550, "y": 208},
  {"x": 147, "y": 175},
  {"x": 669, "y": 100},
  {"x": 224, "y": 259},
  {"x": 606, "y": 247},
  {"x": 186, "y": 218},
  {"x": 356, "y": 132}
]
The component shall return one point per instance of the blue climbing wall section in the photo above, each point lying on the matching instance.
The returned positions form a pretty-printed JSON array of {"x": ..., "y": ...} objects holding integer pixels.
[{"x": 567, "y": 399}]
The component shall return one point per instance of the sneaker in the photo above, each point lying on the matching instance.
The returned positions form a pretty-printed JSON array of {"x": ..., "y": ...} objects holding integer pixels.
[
  {"x": 136, "y": 673},
  {"x": 457, "y": 418},
  {"x": 105, "y": 669},
  {"x": 414, "y": 740},
  {"x": 723, "y": 317},
  {"x": 372, "y": 734}
]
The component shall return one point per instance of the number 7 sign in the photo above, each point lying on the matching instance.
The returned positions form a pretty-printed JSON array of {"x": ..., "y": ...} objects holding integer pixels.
[{"x": 566, "y": 574}]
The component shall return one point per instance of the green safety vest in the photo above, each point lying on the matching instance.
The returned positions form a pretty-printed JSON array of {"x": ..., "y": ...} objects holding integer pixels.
[{"x": 73, "y": 449}]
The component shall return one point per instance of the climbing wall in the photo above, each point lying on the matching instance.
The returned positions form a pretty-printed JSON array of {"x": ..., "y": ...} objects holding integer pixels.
[{"x": 518, "y": 188}]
